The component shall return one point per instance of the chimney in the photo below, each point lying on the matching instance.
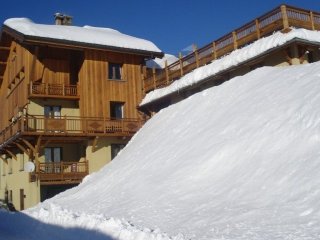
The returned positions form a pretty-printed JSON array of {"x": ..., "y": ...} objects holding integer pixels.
[{"x": 62, "y": 19}]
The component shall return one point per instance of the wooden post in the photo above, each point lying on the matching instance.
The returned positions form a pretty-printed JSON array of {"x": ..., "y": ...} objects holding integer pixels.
[
  {"x": 181, "y": 64},
  {"x": 30, "y": 88},
  {"x": 258, "y": 29},
  {"x": 235, "y": 43},
  {"x": 167, "y": 71},
  {"x": 284, "y": 17},
  {"x": 312, "y": 21},
  {"x": 63, "y": 90},
  {"x": 195, "y": 51},
  {"x": 46, "y": 88},
  {"x": 214, "y": 52},
  {"x": 154, "y": 77}
]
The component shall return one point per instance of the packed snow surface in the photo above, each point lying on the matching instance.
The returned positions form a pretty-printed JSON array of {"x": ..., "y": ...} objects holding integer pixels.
[
  {"x": 86, "y": 34},
  {"x": 237, "y": 161},
  {"x": 233, "y": 59}
]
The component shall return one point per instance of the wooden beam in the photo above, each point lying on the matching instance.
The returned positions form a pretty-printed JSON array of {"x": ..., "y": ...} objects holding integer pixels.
[
  {"x": 23, "y": 149},
  {"x": 5, "y": 48},
  {"x": 29, "y": 145},
  {"x": 94, "y": 144},
  {"x": 37, "y": 147},
  {"x": 3, "y": 63},
  {"x": 12, "y": 154},
  {"x": 45, "y": 144}
]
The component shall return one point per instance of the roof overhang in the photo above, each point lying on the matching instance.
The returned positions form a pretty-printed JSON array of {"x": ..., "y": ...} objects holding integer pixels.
[{"x": 36, "y": 40}]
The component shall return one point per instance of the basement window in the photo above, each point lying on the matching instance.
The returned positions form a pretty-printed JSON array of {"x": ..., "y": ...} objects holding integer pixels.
[{"x": 115, "y": 71}]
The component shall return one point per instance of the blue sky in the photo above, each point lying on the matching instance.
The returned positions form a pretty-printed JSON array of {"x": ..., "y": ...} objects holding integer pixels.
[{"x": 171, "y": 24}]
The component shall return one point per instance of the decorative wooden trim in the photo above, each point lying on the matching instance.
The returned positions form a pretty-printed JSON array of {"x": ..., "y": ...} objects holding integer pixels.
[
  {"x": 12, "y": 154},
  {"x": 37, "y": 146},
  {"x": 29, "y": 145},
  {"x": 23, "y": 149},
  {"x": 45, "y": 144}
]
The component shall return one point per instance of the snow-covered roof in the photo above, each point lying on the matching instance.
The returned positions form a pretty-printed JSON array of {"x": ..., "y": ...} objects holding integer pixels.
[
  {"x": 235, "y": 58},
  {"x": 106, "y": 37},
  {"x": 159, "y": 63}
]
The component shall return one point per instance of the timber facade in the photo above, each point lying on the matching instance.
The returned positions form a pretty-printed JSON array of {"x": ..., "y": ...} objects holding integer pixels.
[{"x": 67, "y": 108}]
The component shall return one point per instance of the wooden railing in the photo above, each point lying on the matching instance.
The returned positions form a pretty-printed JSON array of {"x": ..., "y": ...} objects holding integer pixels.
[
  {"x": 279, "y": 18},
  {"x": 68, "y": 125},
  {"x": 62, "y": 172},
  {"x": 53, "y": 90}
]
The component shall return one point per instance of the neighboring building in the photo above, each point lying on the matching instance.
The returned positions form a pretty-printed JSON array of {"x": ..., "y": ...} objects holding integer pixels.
[
  {"x": 68, "y": 97},
  {"x": 258, "y": 43}
]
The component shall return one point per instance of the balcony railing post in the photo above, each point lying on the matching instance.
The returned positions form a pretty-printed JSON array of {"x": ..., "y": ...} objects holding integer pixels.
[
  {"x": 30, "y": 88},
  {"x": 195, "y": 52},
  {"x": 167, "y": 71},
  {"x": 284, "y": 14},
  {"x": 154, "y": 77},
  {"x": 257, "y": 29},
  {"x": 235, "y": 42},
  {"x": 214, "y": 50},
  {"x": 181, "y": 64},
  {"x": 46, "y": 88},
  {"x": 312, "y": 21}
]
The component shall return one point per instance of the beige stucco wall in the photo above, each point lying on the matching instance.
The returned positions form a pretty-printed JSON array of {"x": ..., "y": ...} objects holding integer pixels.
[
  {"x": 102, "y": 154},
  {"x": 68, "y": 108},
  {"x": 18, "y": 179}
]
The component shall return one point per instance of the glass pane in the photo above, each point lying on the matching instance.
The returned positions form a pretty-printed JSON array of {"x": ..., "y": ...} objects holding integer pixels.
[
  {"x": 47, "y": 155},
  {"x": 47, "y": 110},
  {"x": 56, "y": 111},
  {"x": 57, "y": 154}
]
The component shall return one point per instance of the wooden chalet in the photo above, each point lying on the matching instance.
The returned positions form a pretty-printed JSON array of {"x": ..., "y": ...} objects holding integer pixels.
[
  {"x": 68, "y": 97},
  {"x": 282, "y": 18}
]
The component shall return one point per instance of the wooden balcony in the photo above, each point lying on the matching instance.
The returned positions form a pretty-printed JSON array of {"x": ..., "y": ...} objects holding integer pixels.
[
  {"x": 40, "y": 90},
  {"x": 36, "y": 125},
  {"x": 280, "y": 18},
  {"x": 61, "y": 172}
]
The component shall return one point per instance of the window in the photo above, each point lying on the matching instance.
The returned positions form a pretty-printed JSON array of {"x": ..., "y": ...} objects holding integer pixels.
[
  {"x": 116, "y": 110},
  {"x": 115, "y": 149},
  {"x": 52, "y": 155},
  {"x": 115, "y": 70},
  {"x": 52, "y": 111}
]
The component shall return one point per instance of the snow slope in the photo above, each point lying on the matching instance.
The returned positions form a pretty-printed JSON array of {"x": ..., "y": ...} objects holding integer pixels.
[
  {"x": 235, "y": 58},
  {"x": 237, "y": 161}
]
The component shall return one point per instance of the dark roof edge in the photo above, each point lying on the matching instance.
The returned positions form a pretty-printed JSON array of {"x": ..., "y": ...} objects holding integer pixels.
[
  {"x": 75, "y": 44},
  {"x": 296, "y": 39}
]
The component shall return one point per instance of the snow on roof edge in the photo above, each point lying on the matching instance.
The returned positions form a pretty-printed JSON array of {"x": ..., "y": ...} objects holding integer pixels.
[
  {"x": 235, "y": 58},
  {"x": 106, "y": 37}
]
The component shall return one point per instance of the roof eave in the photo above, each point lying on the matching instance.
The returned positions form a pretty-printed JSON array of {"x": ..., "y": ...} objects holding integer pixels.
[{"x": 75, "y": 44}]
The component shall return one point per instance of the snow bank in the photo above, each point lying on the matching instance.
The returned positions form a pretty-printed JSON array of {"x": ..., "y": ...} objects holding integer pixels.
[
  {"x": 233, "y": 59},
  {"x": 86, "y": 34},
  {"x": 237, "y": 161}
]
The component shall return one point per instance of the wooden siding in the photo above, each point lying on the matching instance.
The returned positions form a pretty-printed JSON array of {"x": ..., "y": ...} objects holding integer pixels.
[{"x": 96, "y": 90}]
